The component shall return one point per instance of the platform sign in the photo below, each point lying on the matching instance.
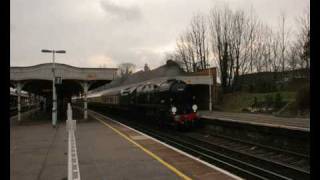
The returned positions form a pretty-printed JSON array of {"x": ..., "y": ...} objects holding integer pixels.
[
  {"x": 58, "y": 80},
  {"x": 91, "y": 76},
  {"x": 47, "y": 90}
]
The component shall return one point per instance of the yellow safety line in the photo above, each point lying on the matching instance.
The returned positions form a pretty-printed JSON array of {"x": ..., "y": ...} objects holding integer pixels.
[{"x": 147, "y": 151}]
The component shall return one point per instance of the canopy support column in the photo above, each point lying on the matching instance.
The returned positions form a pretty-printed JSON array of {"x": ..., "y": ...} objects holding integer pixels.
[
  {"x": 85, "y": 85},
  {"x": 19, "y": 87}
]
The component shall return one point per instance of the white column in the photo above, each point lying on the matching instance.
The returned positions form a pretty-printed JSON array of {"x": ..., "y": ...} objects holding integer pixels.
[
  {"x": 44, "y": 104},
  {"x": 19, "y": 87},
  {"x": 29, "y": 99},
  {"x": 54, "y": 94},
  {"x": 85, "y": 86},
  {"x": 69, "y": 112}
]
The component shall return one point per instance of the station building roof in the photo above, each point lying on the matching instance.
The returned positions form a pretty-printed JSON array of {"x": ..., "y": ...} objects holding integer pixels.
[
  {"x": 170, "y": 70},
  {"x": 44, "y": 72},
  {"x": 38, "y": 78}
]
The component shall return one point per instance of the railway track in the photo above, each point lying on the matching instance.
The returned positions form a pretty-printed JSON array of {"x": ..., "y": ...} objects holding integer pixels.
[
  {"x": 231, "y": 156},
  {"x": 296, "y": 160},
  {"x": 292, "y": 167},
  {"x": 14, "y": 111}
]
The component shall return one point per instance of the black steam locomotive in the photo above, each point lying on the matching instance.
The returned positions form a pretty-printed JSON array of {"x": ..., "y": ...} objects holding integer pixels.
[{"x": 169, "y": 102}]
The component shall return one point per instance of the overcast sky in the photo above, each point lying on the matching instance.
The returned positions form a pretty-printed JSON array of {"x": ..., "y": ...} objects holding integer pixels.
[{"x": 109, "y": 32}]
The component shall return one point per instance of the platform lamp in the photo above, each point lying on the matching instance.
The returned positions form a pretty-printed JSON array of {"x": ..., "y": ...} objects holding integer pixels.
[{"x": 54, "y": 94}]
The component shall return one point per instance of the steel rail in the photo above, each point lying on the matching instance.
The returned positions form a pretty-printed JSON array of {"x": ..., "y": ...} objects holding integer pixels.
[
  {"x": 274, "y": 165},
  {"x": 257, "y": 144},
  {"x": 228, "y": 162}
]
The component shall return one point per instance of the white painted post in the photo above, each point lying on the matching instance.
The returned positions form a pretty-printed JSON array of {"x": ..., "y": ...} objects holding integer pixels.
[{"x": 69, "y": 111}]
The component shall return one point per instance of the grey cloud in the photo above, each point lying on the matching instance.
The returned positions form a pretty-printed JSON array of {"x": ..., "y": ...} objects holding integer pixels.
[
  {"x": 128, "y": 13},
  {"x": 135, "y": 31}
]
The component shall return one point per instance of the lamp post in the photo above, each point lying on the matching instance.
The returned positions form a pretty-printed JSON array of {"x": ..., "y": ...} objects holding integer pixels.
[
  {"x": 54, "y": 94},
  {"x": 210, "y": 91}
]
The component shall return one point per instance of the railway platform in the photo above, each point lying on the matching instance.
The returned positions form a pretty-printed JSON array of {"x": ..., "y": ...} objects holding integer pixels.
[
  {"x": 259, "y": 119},
  {"x": 106, "y": 150}
]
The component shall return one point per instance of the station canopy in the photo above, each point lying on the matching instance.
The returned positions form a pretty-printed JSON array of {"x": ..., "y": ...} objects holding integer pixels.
[{"x": 38, "y": 79}]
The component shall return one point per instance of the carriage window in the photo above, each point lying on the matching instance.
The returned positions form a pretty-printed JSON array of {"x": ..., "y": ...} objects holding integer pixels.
[
  {"x": 143, "y": 88},
  {"x": 132, "y": 89},
  {"x": 140, "y": 88},
  {"x": 164, "y": 86},
  {"x": 124, "y": 92}
]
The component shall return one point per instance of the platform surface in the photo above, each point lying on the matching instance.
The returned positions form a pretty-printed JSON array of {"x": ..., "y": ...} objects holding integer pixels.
[
  {"x": 39, "y": 151},
  {"x": 103, "y": 154},
  {"x": 259, "y": 119},
  {"x": 190, "y": 167}
]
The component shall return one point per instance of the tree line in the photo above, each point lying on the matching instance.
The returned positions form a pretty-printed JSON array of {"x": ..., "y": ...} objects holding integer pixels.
[{"x": 239, "y": 43}]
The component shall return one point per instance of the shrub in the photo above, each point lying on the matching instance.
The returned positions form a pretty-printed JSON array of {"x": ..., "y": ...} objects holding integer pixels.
[
  {"x": 278, "y": 102},
  {"x": 303, "y": 98},
  {"x": 268, "y": 99},
  {"x": 251, "y": 88},
  {"x": 255, "y": 102}
]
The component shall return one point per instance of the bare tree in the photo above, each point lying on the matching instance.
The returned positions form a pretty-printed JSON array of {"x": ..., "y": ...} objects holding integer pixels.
[
  {"x": 275, "y": 53},
  {"x": 220, "y": 23},
  {"x": 303, "y": 39},
  {"x": 259, "y": 47},
  {"x": 252, "y": 23},
  {"x": 283, "y": 35},
  {"x": 192, "y": 46},
  {"x": 198, "y": 39},
  {"x": 191, "y": 51},
  {"x": 125, "y": 69},
  {"x": 294, "y": 56},
  {"x": 240, "y": 43},
  {"x": 236, "y": 45},
  {"x": 185, "y": 53},
  {"x": 267, "y": 49}
]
